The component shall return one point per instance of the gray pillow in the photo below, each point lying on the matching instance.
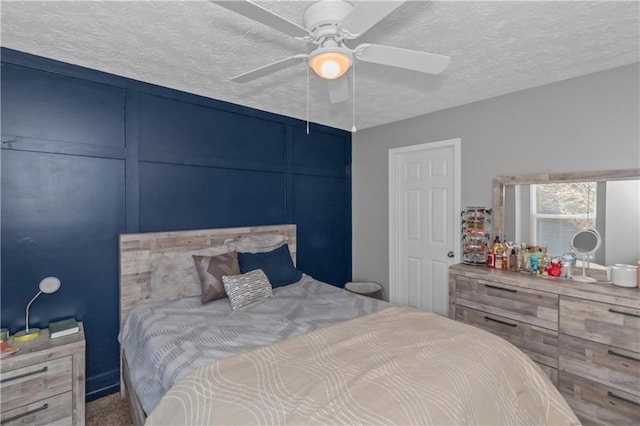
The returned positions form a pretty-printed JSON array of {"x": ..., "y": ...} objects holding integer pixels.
[
  {"x": 211, "y": 269},
  {"x": 173, "y": 274},
  {"x": 256, "y": 243},
  {"x": 247, "y": 288}
]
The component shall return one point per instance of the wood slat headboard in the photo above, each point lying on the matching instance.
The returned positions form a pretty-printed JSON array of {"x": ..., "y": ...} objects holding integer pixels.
[{"x": 135, "y": 250}]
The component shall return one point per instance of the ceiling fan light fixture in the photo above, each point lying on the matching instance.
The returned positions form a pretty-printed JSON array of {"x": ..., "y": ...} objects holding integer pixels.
[{"x": 330, "y": 64}]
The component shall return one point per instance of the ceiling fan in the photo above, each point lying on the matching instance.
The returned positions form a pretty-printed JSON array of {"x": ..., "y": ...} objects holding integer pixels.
[{"x": 329, "y": 24}]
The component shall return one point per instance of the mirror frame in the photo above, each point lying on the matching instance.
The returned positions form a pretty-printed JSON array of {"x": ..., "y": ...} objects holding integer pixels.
[
  {"x": 499, "y": 182},
  {"x": 579, "y": 251}
]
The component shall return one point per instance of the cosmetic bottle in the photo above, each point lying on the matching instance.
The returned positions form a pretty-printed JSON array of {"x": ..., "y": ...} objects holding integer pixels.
[
  {"x": 568, "y": 262},
  {"x": 491, "y": 257},
  {"x": 498, "y": 252},
  {"x": 542, "y": 261},
  {"x": 533, "y": 263},
  {"x": 519, "y": 258},
  {"x": 513, "y": 260},
  {"x": 526, "y": 260}
]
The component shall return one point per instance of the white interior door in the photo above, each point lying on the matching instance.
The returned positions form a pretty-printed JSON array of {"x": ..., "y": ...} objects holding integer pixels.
[{"x": 423, "y": 223}]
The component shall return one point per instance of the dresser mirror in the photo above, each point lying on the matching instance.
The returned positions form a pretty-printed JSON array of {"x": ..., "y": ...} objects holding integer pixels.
[{"x": 548, "y": 209}]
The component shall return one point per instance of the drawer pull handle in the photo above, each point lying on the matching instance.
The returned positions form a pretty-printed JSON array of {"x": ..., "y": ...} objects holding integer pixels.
[
  {"x": 501, "y": 288},
  {"x": 500, "y": 322},
  {"x": 623, "y": 313},
  {"x": 610, "y": 352},
  {"x": 28, "y": 413},
  {"x": 613, "y": 395},
  {"x": 31, "y": 373}
]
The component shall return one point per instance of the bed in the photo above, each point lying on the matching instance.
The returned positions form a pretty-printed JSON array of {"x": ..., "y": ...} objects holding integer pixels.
[{"x": 311, "y": 353}]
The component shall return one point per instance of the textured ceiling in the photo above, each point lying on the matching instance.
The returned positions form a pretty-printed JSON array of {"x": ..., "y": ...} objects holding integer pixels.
[{"x": 497, "y": 47}]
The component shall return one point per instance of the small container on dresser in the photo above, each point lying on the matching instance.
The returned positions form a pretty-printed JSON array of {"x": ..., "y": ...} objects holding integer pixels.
[
  {"x": 44, "y": 381},
  {"x": 585, "y": 337}
]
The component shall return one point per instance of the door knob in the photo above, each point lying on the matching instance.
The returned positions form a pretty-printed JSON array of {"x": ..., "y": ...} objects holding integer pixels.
[{"x": 450, "y": 254}]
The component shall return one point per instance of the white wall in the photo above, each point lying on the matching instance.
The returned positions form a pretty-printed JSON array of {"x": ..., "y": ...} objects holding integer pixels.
[{"x": 581, "y": 124}]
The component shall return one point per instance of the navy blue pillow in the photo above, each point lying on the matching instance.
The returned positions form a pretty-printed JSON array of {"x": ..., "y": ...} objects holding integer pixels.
[{"x": 277, "y": 265}]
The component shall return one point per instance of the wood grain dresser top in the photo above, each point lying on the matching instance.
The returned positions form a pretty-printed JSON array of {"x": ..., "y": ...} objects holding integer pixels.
[{"x": 598, "y": 291}]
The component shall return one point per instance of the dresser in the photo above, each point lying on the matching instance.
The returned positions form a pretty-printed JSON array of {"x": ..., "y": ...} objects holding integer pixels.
[
  {"x": 584, "y": 336},
  {"x": 43, "y": 383}
]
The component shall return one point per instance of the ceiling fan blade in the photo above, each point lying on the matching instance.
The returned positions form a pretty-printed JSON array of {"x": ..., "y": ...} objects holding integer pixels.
[
  {"x": 414, "y": 60},
  {"x": 338, "y": 90},
  {"x": 366, "y": 14},
  {"x": 265, "y": 16},
  {"x": 269, "y": 69}
]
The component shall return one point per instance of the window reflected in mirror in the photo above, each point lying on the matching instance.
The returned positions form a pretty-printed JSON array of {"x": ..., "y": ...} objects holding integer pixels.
[
  {"x": 550, "y": 214},
  {"x": 559, "y": 210}
]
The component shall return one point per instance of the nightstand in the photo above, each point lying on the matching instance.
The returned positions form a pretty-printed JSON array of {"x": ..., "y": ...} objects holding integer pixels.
[{"x": 43, "y": 382}]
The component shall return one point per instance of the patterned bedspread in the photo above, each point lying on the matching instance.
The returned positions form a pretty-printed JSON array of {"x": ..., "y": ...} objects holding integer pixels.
[
  {"x": 398, "y": 366},
  {"x": 165, "y": 341}
]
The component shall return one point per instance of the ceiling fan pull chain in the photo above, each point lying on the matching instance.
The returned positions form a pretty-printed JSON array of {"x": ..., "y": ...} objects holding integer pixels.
[{"x": 353, "y": 76}]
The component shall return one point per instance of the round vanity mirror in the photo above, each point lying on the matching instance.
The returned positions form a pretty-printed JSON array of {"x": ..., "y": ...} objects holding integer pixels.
[{"x": 585, "y": 243}]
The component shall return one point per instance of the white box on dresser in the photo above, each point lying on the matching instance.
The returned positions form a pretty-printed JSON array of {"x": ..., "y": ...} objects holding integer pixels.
[
  {"x": 44, "y": 382},
  {"x": 586, "y": 337}
]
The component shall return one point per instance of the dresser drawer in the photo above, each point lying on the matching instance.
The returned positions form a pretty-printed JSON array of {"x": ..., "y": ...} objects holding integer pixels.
[
  {"x": 540, "y": 344},
  {"x": 57, "y": 409},
  {"x": 531, "y": 306},
  {"x": 35, "y": 382},
  {"x": 610, "y": 366},
  {"x": 595, "y": 403},
  {"x": 601, "y": 322}
]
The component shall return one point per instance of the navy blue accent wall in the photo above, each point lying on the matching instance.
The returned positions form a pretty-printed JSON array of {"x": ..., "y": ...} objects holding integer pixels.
[{"x": 87, "y": 156}]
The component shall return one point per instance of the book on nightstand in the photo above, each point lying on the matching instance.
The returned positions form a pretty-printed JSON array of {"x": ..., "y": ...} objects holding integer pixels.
[{"x": 63, "y": 328}]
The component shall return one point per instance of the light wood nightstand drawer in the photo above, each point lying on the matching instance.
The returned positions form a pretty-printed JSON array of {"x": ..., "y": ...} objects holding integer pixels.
[
  {"x": 540, "y": 344},
  {"x": 610, "y": 366},
  {"x": 601, "y": 322},
  {"x": 531, "y": 306},
  {"x": 595, "y": 403},
  {"x": 57, "y": 409},
  {"x": 35, "y": 382}
]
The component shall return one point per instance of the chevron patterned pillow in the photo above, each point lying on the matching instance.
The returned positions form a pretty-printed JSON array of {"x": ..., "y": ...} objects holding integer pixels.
[
  {"x": 246, "y": 289},
  {"x": 211, "y": 269}
]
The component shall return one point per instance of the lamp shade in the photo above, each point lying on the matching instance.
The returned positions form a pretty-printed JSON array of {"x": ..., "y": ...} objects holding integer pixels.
[
  {"x": 330, "y": 63},
  {"x": 49, "y": 285}
]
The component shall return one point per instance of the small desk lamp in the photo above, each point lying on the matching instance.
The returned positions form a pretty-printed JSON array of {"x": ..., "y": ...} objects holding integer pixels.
[{"x": 47, "y": 285}]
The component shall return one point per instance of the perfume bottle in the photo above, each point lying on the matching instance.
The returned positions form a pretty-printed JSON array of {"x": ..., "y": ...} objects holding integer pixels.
[
  {"x": 568, "y": 263},
  {"x": 513, "y": 260}
]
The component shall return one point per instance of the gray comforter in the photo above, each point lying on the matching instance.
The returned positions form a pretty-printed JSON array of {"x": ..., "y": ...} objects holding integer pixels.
[
  {"x": 400, "y": 366},
  {"x": 165, "y": 341}
]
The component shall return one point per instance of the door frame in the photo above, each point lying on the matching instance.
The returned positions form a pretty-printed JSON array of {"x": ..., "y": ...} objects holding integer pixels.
[{"x": 393, "y": 203}]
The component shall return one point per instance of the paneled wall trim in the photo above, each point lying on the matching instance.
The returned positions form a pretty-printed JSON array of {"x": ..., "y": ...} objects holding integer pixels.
[{"x": 87, "y": 156}]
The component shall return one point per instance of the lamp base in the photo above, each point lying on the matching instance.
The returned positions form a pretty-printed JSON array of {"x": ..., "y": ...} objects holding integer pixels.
[{"x": 23, "y": 336}]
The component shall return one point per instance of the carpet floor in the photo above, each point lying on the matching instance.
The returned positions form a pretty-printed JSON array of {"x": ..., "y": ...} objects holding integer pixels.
[{"x": 108, "y": 411}]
